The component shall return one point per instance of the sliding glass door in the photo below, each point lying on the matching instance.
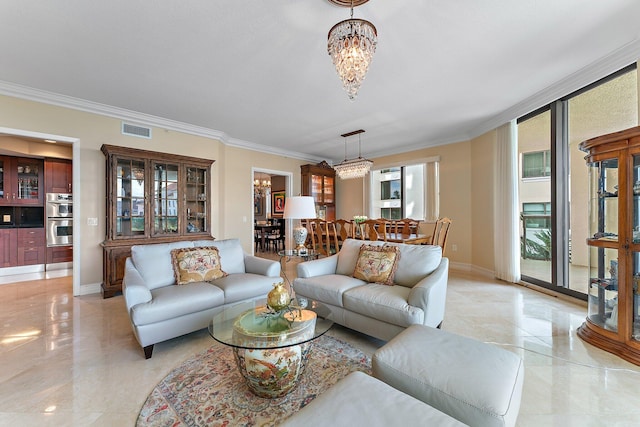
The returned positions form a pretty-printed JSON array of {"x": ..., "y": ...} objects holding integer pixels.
[{"x": 553, "y": 180}]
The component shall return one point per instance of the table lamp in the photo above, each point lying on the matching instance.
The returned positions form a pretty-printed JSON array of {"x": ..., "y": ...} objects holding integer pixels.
[{"x": 299, "y": 207}]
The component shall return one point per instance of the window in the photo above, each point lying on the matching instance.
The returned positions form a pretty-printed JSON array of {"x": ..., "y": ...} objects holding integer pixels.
[
  {"x": 536, "y": 164},
  {"x": 405, "y": 191},
  {"x": 536, "y": 215}
]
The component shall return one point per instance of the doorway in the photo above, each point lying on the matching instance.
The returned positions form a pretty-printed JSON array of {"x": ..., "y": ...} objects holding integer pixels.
[
  {"x": 75, "y": 147},
  {"x": 270, "y": 189}
]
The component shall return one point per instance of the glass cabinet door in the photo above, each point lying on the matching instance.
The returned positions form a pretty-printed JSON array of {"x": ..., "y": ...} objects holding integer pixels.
[
  {"x": 316, "y": 188},
  {"x": 130, "y": 191},
  {"x": 603, "y": 252},
  {"x": 196, "y": 200},
  {"x": 165, "y": 195},
  {"x": 603, "y": 204},
  {"x": 328, "y": 189},
  {"x": 635, "y": 332},
  {"x": 28, "y": 188},
  {"x": 5, "y": 184},
  {"x": 603, "y": 287},
  {"x": 635, "y": 233}
]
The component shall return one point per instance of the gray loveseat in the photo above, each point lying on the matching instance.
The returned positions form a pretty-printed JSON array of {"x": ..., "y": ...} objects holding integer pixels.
[
  {"x": 381, "y": 311},
  {"x": 160, "y": 310}
]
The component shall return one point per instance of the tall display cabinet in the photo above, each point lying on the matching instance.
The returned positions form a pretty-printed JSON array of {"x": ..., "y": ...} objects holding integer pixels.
[
  {"x": 151, "y": 198},
  {"x": 613, "y": 316},
  {"x": 319, "y": 181}
]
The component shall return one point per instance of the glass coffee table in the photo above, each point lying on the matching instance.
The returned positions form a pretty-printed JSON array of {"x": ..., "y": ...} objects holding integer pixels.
[{"x": 271, "y": 348}]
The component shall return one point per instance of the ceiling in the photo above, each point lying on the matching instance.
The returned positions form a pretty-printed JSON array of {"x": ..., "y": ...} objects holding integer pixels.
[{"x": 256, "y": 73}]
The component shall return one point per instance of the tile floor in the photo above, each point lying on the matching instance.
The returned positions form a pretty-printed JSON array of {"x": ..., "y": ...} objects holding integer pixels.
[{"x": 73, "y": 361}]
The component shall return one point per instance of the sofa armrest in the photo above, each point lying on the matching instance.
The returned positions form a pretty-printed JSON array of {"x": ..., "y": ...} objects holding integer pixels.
[
  {"x": 430, "y": 294},
  {"x": 134, "y": 289},
  {"x": 318, "y": 267},
  {"x": 265, "y": 267}
]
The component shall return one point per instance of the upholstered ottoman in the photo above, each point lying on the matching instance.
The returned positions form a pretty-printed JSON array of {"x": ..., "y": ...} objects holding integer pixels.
[
  {"x": 476, "y": 383},
  {"x": 361, "y": 400}
]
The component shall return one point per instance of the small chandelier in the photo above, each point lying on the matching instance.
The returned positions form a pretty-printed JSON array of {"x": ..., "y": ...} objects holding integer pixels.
[
  {"x": 354, "y": 168},
  {"x": 261, "y": 186},
  {"x": 351, "y": 45}
]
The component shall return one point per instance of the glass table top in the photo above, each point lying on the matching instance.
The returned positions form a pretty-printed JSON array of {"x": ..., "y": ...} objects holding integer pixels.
[
  {"x": 309, "y": 253},
  {"x": 252, "y": 325}
]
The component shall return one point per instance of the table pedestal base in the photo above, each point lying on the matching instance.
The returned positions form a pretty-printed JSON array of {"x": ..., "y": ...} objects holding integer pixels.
[{"x": 274, "y": 372}]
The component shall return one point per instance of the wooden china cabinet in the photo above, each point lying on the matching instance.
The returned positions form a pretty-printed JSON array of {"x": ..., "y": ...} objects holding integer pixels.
[
  {"x": 319, "y": 181},
  {"x": 613, "y": 317},
  {"x": 151, "y": 198}
]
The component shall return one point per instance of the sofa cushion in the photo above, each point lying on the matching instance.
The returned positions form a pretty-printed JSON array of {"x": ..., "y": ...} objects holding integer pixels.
[
  {"x": 198, "y": 264},
  {"x": 169, "y": 302},
  {"x": 416, "y": 262},
  {"x": 231, "y": 255},
  {"x": 385, "y": 303},
  {"x": 328, "y": 289},
  {"x": 238, "y": 287},
  {"x": 360, "y": 400},
  {"x": 376, "y": 264},
  {"x": 154, "y": 262}
]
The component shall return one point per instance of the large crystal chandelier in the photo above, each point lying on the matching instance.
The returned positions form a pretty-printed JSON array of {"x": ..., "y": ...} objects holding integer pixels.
[
  {"x": 351, "y": 45},
  {"x": 354, "y": 168}
]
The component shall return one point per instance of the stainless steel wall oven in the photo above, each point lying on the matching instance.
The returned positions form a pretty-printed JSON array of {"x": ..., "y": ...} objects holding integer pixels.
[{"x": 59, "y": 210}]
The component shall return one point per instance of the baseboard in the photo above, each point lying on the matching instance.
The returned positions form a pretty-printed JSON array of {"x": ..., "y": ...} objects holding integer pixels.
[
  {"x": 460, "y": 266},
  {"x": 483, "y": 272},
  {"x": 91, "y": 288},
  {"x": 24, "y": 269},
  {"x": 470, "y": 268}
]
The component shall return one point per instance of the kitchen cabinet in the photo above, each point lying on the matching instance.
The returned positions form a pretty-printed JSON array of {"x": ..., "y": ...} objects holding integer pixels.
[
  {"x": 58, "y": 175},
  {"x": 151, "y": 198},
  {"x": 59, "y": 254},
  {"x": 31, "y": 246},
  {"x": 613, "y": 312},
  {"x": 21, "y": 181},
  {"x": 319, "y": 181},
  {"x": 8, "y": 247}
]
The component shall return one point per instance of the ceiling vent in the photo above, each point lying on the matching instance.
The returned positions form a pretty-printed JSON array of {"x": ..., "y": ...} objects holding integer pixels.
[{"x": 135, "y": 130}]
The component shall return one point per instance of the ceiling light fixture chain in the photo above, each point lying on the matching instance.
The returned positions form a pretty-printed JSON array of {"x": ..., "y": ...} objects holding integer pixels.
[{"x": 351, "y": 45}]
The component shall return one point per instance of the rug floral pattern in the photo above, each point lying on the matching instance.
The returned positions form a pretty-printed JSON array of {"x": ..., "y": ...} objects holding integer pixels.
[{"x": 208, "y": 389}]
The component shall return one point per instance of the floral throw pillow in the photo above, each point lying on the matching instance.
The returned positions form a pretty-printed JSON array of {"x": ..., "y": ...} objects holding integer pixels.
[
  {"x": 200, "y": 264},
  {"x": 377, "y": 264}
]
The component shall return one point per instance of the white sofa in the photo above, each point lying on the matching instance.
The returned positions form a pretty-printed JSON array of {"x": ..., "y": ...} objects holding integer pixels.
[
  {"x": 381, "y": 311},
  {"x": 160, "y": 310}
]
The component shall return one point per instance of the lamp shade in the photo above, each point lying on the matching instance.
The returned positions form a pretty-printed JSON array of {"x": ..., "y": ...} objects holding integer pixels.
[{"x": 299, "y": 207}]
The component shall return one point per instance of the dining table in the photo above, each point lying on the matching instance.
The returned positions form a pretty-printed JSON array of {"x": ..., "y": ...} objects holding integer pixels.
[
  {"x": 264, "y": 229},
  {"x": 409, "y": 239}
]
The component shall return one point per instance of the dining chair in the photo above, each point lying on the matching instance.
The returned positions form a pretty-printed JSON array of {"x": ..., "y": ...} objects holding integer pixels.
[
  {"x": 440, "y": 233},
  {"x": 318, "y": 228},
  {"x": 408, "y": 226},
  {"x": 332, "y": 242},
  {"x": 345, "y": 229},
  {"x": 375, "y": 229}
]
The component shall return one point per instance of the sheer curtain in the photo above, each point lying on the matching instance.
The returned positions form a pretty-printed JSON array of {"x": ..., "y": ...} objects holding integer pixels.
[{"x": 506, "y": 218}]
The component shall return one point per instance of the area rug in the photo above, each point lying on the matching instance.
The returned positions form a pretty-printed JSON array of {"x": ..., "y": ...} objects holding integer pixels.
[{"x": 208, "y": 389}]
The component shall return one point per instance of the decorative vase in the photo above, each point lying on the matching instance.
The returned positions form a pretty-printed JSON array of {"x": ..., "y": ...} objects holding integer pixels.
[{"x": 278, "y": 298}]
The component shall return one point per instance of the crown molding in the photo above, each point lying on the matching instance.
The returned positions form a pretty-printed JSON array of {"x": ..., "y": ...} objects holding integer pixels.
[
  {"x": 45, "y": 97},
  {"x": 620, "y": 58}
]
